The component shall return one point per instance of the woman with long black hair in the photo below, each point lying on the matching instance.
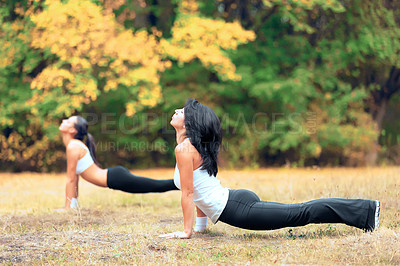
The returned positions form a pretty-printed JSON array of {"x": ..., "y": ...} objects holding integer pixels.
[
  {"x": 81, "y": 160},
  {"x": 198, "y": 135}
]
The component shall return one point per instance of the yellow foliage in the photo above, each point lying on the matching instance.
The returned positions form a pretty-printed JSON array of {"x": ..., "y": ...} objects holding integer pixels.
[
  {"x": 130, "y": 109},
  {"x": 15, "y": 148},
  {"x": 88, "y": 52},
  {"x": 84, "y": 38},
  {"x": 188, "y": 7},
  {"x": 148, "y": 97},
  {"x": 206, "y": 39},
  {"x": 52, "y": 77}
]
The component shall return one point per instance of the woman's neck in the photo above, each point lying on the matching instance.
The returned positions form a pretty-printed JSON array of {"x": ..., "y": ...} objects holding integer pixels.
[
  {"x": 66, "y": 139},
  {"x": 180, "y": 136}
]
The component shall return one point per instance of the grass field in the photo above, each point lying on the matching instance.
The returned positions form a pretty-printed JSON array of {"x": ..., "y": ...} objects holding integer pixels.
[{"x": 118, "y": 228}]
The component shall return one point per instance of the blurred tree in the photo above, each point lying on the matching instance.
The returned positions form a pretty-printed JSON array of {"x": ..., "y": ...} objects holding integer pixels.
[
  {"x": 23, "y": 145},
  {"x": 72, "y": 52},
  {"x": 311, "y": 86},
  {"x": 317, "y": 71}
]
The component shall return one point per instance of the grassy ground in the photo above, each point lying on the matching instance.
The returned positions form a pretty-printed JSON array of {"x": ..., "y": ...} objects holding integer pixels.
[{"x": 115, "y": 227}]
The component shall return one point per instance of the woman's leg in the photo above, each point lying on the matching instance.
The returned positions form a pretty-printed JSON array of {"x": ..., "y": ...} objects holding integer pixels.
[
  {"x": 120, "y": 178},
  {"x": 245, "y": 210}
]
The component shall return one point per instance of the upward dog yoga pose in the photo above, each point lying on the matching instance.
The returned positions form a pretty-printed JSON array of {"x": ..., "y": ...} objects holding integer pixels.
[
  {"x": 198, "y": 134},
  {"x": 81, "y": 160}
]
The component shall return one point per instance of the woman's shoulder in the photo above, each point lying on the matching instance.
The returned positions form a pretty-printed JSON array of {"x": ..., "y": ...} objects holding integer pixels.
[
  {"x": 186, "y": 153},
  {"x": 75, "y": 144},
  {"x": 184, "y": 147}
]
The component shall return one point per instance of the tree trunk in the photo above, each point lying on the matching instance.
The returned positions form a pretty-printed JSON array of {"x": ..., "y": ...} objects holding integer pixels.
[
  {"x": 378, "y": 110},
  {"x": 372, "y": 156}
]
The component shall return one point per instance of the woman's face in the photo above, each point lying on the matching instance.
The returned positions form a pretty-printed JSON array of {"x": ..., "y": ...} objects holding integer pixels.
[
  {"x": 68, "y": 124},
  {"x": 178, "y": 119}
]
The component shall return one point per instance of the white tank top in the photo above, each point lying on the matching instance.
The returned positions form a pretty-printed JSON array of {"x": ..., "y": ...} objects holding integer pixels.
[
  {"x": 85, "y": 161},
  {"x": 208, "y": 194}
]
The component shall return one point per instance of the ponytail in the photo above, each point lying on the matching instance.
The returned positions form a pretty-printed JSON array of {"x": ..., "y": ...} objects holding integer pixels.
[
  {"x": 92, "y": 147},
  {"x": 81, "y": 127}
]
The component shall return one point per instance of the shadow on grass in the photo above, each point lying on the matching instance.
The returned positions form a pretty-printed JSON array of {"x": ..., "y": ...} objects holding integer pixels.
[{"x": 284, "y": 234}]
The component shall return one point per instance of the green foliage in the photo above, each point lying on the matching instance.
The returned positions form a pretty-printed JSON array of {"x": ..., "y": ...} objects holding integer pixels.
[{"x": 312, "y": 83}]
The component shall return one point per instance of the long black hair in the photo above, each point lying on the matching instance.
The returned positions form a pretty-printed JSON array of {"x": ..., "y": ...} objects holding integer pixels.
[
  {"x": 81, "y": 127},
  {"x": 203, "y": 128}
]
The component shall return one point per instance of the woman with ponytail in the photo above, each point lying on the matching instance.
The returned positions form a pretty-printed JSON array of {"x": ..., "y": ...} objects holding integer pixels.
[
  {"x": 198, "y": 135},
  {"x": 81, "y": 160}
]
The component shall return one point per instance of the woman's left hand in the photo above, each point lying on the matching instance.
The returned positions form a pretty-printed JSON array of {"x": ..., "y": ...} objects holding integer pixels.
[{"x": 179, "y": 234}]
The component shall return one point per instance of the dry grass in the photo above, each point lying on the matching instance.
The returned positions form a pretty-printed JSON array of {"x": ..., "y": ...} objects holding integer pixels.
[{"x": 115, "y": 227}]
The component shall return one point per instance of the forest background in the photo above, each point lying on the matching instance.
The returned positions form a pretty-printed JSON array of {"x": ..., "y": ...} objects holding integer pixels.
[{"x": 294, "y": 82}]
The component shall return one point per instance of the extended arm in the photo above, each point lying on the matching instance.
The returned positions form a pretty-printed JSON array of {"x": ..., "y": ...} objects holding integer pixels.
[
  {"x": 71, "y": 187},
  {"x": 185, "y": 165}
]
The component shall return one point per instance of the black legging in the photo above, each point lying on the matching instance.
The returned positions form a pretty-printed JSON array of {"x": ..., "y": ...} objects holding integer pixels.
[
  {"x": 120, "y": 178},
  {"x": 245, "y": 210}
]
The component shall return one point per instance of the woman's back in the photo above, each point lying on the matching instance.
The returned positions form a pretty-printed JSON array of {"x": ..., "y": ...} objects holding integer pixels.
[{"x": 86, "y": 167}]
